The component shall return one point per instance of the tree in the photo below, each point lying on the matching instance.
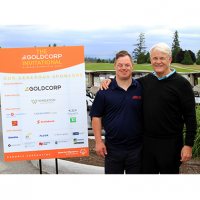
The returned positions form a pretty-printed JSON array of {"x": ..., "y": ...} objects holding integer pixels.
[
  {"x": 98, "y": 60},
  {"x": 174, "y": 54},
  {"x": 140, "y": 47},
  {"x": 49, "y": 45},
  {"x": 198, "y": 54},
  {"x": 180, "y": 56},
  {"x": 54, "y": 45},
  {"x": 198, "y": 61},
  {"x": 141, "y": 59},
  {"x": 148, "y": 58},
  {"x": 103, "y": 61},
  {"x": 175, "y": 42},
  {"x": 187, "y": 59},
  {"x": 113, "y": 60}
]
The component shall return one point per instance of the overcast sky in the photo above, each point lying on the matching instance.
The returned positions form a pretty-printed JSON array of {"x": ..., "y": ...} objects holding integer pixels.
[{"x": 104, "y": 27}]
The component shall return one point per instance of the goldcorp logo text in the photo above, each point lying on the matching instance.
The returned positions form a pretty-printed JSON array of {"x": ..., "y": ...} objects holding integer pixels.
[
  {"x": 42, "y": 88},
  {"x": 41, "y": 57}
]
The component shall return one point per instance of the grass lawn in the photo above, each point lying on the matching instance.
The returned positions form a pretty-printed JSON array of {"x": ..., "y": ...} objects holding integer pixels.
[{"x": 177, "y": 66}]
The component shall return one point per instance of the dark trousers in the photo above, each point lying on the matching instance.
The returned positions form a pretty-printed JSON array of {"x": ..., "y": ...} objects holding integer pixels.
[
  {"x": 118, "y": 161},
  {"x": 161, "y": 155}
]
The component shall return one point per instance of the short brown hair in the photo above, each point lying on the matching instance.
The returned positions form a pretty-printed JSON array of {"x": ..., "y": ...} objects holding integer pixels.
[{"x": 122, "y": 54}]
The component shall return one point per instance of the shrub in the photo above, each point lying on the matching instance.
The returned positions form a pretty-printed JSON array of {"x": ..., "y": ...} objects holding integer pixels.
[
  {"x": 187, "y": 59},
  {"x": 198, "y": 61},
  {"x": 98, "y": 60},
  {"x": 141, "y": 59},
  {"x": 180, "y": 56},
  {"x": 196, "y": 147},
  {"x": 148, "y": 58}
]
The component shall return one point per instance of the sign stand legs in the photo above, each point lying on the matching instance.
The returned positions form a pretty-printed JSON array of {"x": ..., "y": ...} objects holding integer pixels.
[
  {"x": 56, "y": 160},
  {"x": 40, "y": 164}
]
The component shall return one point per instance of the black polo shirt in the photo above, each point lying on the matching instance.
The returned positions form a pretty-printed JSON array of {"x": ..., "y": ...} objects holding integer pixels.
[{"x": 123, "y": 114}]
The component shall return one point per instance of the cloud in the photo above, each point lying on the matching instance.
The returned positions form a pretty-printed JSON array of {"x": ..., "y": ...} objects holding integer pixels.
[{"x": 97, "y": 15}]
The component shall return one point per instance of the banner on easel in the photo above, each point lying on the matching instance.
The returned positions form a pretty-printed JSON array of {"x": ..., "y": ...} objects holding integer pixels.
[{"x": 43, "y": 103}]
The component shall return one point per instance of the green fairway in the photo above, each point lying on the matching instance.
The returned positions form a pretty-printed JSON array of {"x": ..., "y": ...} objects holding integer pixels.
[{"x": 107, "y": 66}]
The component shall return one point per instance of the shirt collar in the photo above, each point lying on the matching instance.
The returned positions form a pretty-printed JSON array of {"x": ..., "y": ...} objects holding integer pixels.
[
  {"x": 167, "y": 76},
  {"x": 114, "y": 83}
]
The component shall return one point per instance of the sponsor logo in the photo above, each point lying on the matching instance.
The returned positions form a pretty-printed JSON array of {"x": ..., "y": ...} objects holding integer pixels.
[
  {"x": 14, "y": 123},
  {"x": 83, "y": 151},
  {"x": 42, "y": 88},
  {"x": 43, "y": 143},
  {"x": 12, "y": 137},
  {"x": 13, "y": 145},
  {"x": 29, "y": 144},
  {"x": 77, "y": 133},
  {"x": 43, "y": 101},
  {"x": 28, "y": 136},
  {"x": 72, "y": 112},
  {"x": 34, "y": 101},
  {"x": 12, "y": 115},
  {"x": 60, "y": 134},
  {"x": 58, "y": 142},
  {"x": 78, "y": 141},
  {"x": 72, "y": 119},
  {"x": 48, "y": 121},
  {"x": 45, "y": 135},
  {"x": 41, "y": 56},
  {"x": 45, "y": 113},
  {"x": 137, "y": 97}
]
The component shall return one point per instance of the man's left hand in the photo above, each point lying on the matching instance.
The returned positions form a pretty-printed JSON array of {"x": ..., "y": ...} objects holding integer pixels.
[{"x": 186, "y": 153}]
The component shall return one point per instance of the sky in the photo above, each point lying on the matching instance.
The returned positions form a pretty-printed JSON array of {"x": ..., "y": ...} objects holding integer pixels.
[{"x": 104, "y": 27}]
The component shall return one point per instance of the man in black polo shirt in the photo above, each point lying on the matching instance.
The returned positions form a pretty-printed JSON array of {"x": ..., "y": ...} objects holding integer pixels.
[
  {"x": 168, "y": 103},
  {"x": 121, "y": 106}
]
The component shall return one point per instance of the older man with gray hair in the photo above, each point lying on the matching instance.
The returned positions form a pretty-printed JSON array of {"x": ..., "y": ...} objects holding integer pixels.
[{"x": 168, "y": 103}]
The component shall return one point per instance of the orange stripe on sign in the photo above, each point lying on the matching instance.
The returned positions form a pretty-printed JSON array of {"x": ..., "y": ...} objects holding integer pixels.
[
  {"x": 39, "y": 59},
  {"x": 46, "y": 154}
]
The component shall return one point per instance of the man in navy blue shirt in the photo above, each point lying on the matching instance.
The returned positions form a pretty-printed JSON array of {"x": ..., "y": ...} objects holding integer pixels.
[{"x": 121, "y": 106}]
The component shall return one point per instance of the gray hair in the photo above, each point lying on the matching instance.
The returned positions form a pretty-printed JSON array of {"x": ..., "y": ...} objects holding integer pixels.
[{"x": 162, "y": 47}]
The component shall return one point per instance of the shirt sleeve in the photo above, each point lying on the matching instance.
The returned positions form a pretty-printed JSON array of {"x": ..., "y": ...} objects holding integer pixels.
[
  {"x": 97, "y": 109},
  {"x": 188, "y": 112}
]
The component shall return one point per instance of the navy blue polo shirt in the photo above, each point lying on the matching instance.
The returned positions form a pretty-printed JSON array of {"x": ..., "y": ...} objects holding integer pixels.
[{"x": 123, "y": 114}]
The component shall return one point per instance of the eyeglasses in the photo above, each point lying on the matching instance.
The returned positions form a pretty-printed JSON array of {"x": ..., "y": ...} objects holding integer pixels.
[{"x": 121, "y": 65}]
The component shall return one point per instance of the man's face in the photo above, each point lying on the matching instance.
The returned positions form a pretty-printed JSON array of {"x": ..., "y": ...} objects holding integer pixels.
[
  {"x": 123, "y": 67},
  {"x": 160, "y": 63}
]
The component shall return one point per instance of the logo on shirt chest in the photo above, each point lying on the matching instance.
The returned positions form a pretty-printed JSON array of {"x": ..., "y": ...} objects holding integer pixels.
[{"x": 137, "y": 97}]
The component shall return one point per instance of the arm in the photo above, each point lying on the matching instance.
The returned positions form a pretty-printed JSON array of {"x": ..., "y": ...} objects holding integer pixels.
[
  {"x": 100, "y": 147},
  {"x": 104, "y": 84},
  {"x": 189, "y": 115}
]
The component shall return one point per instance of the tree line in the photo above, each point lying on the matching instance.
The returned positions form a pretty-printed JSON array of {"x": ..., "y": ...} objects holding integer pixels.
[
  {"x": 140, "y": 56},
  {"x": 186, "y": 57}
]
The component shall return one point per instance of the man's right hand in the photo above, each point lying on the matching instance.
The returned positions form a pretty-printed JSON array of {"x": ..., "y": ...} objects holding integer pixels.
[
  {"x": 104, "y": 84},
  {"x": 101, "y": 149}
]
